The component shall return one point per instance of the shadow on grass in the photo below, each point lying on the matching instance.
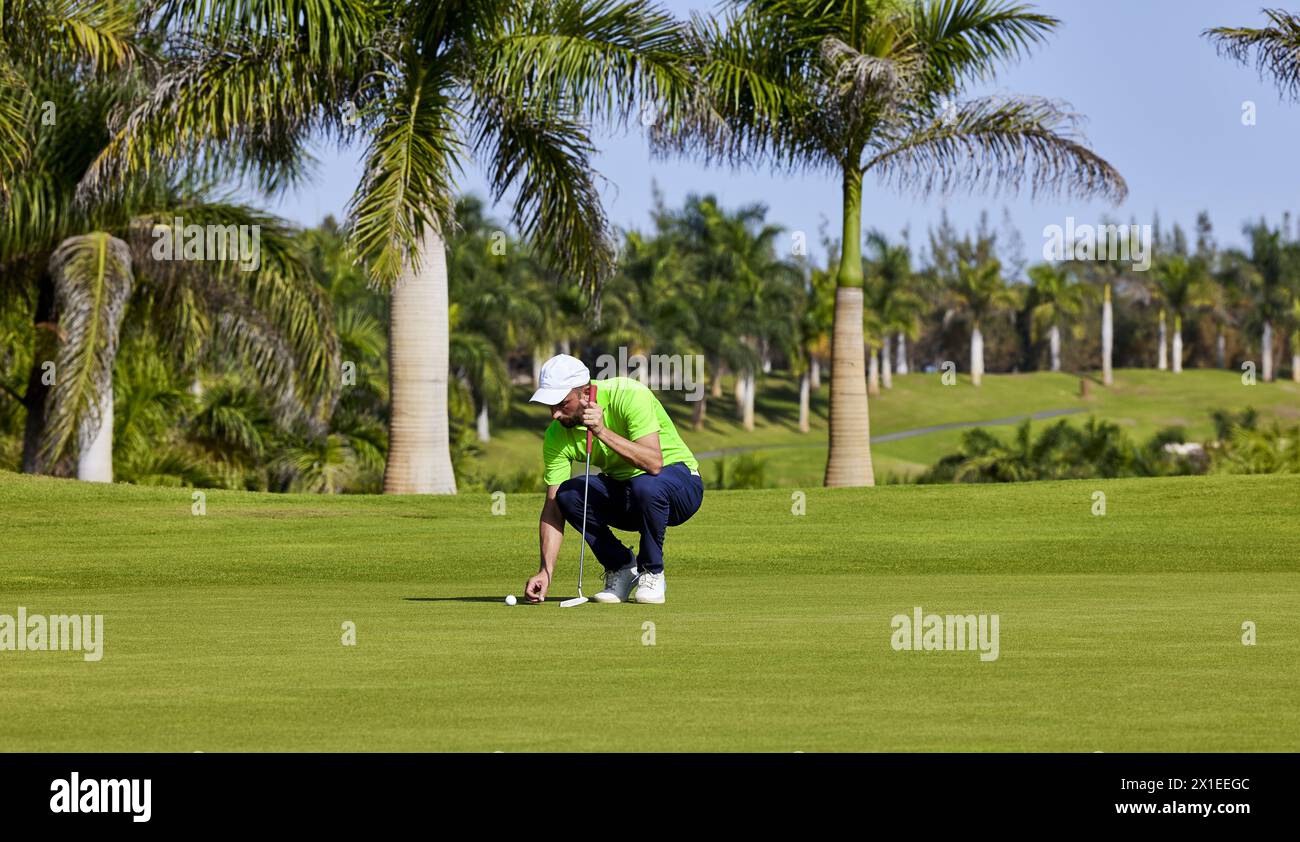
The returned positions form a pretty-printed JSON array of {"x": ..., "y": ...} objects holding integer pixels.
[{"x": 499, "y": 600}]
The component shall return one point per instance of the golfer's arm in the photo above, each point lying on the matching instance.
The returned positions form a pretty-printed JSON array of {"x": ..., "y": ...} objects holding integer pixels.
[
  {"x": 550, "y": 531},
  {"x": 644, "y": 452}
]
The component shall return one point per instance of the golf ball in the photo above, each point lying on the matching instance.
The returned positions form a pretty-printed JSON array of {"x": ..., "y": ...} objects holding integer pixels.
[{"x": 510, "y": 600}]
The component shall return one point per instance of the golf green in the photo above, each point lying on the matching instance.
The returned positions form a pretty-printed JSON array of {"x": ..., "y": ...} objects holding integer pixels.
[{"x": 225, "y": 631}]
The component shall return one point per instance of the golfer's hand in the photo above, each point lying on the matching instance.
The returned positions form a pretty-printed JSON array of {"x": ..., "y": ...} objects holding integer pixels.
[
  {"x": 535, "y": 590},
  {"x": 593, "y": 417}
]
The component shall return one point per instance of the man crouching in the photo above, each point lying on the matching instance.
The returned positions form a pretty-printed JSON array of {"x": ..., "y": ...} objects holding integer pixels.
[{"x": 649, "y": 479}]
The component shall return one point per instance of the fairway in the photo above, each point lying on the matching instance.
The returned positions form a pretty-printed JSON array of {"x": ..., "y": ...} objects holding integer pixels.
[{"x": 223, "y": 632}]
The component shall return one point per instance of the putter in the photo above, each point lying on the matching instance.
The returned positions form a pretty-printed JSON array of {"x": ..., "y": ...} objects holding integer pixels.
[{"x": 586, "y": 483}]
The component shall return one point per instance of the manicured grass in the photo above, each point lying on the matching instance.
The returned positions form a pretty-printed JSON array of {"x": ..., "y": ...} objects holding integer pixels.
[
  {"x": 1141, "y": 401},
  {"x": 1117, "y": 633}
]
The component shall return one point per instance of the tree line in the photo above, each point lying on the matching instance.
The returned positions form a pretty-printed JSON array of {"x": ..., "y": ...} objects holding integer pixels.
[{"x": 118, "y": 119}]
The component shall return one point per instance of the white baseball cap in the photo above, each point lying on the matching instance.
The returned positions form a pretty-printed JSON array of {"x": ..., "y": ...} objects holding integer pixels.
[{"x": 560, "y": 374}]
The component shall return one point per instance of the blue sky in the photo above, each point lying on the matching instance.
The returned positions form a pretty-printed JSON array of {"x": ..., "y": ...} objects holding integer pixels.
[{"x": 1159, "y": 104}]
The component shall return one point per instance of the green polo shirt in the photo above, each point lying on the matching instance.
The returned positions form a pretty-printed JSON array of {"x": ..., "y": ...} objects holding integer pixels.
[{"x": 632, "y": 411}]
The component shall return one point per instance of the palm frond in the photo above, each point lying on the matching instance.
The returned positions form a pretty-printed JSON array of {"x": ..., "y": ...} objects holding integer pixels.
[
  {"x": 246, "y": 84},
  {"x": 93, "y": 280},
  {"x": 408, "y": 183},
  {"x": 970, "y": 39},
  {"x": 746, "y": 99},
  {"x": 1274, "y": 50},
  {"x": 996, "y": 143},
  {"x": 545, "y": 158},
  {"x": 616, "y": 57}
]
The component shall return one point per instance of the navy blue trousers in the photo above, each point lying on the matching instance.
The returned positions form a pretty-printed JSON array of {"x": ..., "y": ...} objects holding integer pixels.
[{"x": 647, "y": 504}]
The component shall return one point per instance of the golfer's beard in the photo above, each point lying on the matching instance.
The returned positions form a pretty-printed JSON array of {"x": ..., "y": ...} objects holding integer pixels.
[{"x": 571, "y": 422}]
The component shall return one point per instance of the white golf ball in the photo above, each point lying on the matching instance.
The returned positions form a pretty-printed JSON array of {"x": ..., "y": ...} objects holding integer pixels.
[{"x": 510, "y": 600}]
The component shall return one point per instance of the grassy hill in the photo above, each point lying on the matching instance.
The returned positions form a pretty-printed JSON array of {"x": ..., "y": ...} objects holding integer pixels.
[
  {"x": 1119, "y": 632},
  {"x": 1141, "y": 400}
]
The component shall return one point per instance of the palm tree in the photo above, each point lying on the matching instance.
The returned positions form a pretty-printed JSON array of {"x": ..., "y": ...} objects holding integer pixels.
[
  {"x": 818, "y": 314},
  {"x": 891, "y": 304},
  {"x": 517, "y": 84},
  {"x": 979, "y": 292},
  {"x": 1181, "y": 285},
  {"x": 500, "y": 308},
  {"x": 861, "y": 87},
  {"x": 1059, "y": 298},
  {"x": 1275, "y": 52},
  {"x": 720, "y": 287},
  {"x": 1263, "y": 274},
  {"x": 1223, "y": 305},
  {"x": 766, "y": 288},
  {"x": 95, "y": 271},
  {"x": 1105, "y": 277}
]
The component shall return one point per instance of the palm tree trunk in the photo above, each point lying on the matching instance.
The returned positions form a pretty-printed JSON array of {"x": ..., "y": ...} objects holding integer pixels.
[
  {"x": 805, "y": 388},
  {"x": 1163, "y": 362},
  {"x": 1266, "y": 346},
  {"x": 738, "y": 396},
  {"x": 1220, "y": 348},
  {"x": 539, "y": 357},
  {"x": 716, "y": 391},
  {"x": 848, "y": 462},
  {"x": 699, "y": 413},
  {"x": 95, "y": 460},
  {"x": 748, "y": 413},
  {"x": 873, "y": 371},
  {"x": 1054, "y": 342},
  {"x": 481, "y": 422},
  {"x": 902, "y": 354},
  {"x": 816, "y": 373},
  {"x": 976, "y": 355},
  {"x": 45, "y": 348},
  {"x": 419, "y": 445},
  {"x": 1177, "y": 360},
  {"x": 886, "y": 366},
  {"x": 1107, "y": 339}
]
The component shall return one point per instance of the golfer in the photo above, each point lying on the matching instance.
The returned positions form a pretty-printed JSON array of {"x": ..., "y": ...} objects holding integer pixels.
[{"x": 649, "y": 479}]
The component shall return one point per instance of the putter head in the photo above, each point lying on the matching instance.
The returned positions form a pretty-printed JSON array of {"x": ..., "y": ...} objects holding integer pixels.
[{"x": 569, "y": 603}]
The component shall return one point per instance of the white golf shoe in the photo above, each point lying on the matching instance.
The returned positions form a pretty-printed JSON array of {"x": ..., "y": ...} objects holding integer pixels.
[
  {"x": 650, "y": 588},
  {"x": 618, "y": 584}
]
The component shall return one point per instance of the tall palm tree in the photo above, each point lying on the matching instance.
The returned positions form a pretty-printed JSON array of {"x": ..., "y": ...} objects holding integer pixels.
[
  {"x": 852, "y": 87},
  {"x": 891, "y": 307},
  {"x": 1223, "y": 306},
  {"x": 818, "y": 315},
  {"x": 501, "y": 311},
  {"x": 1059, "y": 299},
  {"x": 726, "y": 291},
  {"x": 980, "y": 292},
  {"x": 1264, "y": 274},
  {"x": 515, "y": 84},
  {"x": 1105, "y": 277},
  {"x": 766, "y": 288},
  {"x": 1275, "y": 52},
  {"x": 1181, "y": 286}
]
